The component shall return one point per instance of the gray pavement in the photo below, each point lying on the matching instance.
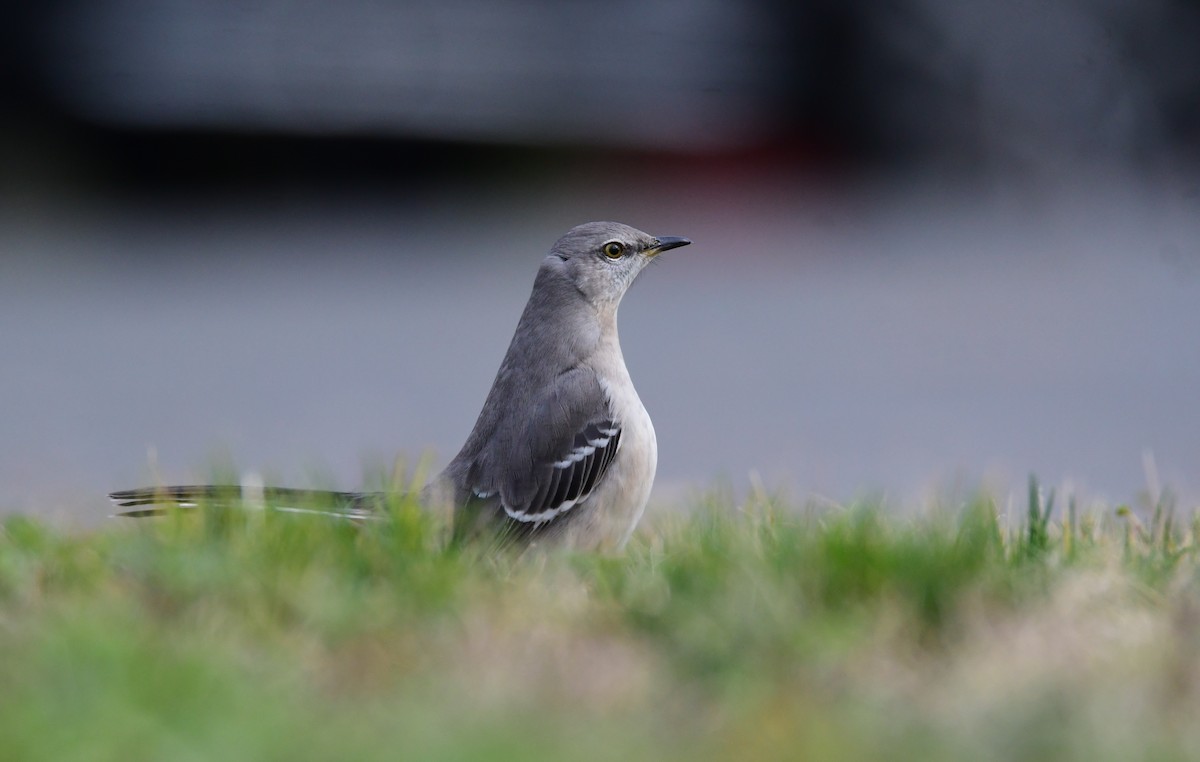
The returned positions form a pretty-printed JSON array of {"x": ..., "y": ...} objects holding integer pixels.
[{"x": 896, "y": 340}]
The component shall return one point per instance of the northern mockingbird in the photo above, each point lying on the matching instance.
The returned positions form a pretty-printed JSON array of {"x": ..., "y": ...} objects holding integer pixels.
[{"x": 563, "y": 448}]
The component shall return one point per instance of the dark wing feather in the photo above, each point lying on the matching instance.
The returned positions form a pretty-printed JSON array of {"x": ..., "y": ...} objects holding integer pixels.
[
  {"x": 570, "y": 477},
  {"x": 552, "y": 456}
]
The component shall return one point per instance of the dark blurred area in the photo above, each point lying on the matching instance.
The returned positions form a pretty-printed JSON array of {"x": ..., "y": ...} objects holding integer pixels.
[
  {"x": 935, "y": 241},
  {"x": 180, "y": 91}
]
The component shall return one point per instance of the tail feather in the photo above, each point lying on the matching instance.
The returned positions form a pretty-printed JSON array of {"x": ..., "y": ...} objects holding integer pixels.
[{"x": 162, "y": 499}]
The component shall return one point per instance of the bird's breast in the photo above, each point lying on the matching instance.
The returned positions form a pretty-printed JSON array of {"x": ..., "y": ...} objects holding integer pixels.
[{"x": 620, "y": 500}]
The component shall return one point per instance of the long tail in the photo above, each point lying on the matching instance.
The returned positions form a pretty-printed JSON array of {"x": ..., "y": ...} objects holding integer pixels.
[{"x": 156, "y": 501}]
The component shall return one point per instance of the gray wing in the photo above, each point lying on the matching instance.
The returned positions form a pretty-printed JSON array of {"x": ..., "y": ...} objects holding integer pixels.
[{"x": 564, "y": 450}]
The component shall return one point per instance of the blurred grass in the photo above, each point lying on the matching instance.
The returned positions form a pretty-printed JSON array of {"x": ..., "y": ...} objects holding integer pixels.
[{"x": 753, "y": 631}]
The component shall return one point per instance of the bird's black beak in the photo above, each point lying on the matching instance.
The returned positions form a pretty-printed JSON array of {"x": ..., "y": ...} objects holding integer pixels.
[{"x": 663, "y": 243}]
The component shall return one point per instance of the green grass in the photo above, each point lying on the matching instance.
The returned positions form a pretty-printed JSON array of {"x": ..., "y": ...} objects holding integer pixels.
[{"x": 754, "y": 631}]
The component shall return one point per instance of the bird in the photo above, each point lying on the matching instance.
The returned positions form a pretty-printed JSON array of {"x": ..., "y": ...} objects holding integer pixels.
[{"x": 563, "y": 451}]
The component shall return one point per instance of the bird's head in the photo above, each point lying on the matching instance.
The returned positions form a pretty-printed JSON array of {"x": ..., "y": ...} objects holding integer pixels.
[{"x": 603, "y": 258}]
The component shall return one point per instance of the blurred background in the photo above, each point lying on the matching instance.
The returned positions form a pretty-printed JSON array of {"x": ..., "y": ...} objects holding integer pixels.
[{"x": 937, "y": 244}]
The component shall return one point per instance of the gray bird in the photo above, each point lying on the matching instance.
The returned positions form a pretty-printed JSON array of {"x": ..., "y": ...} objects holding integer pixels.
[{"x": 563, "y": 449}]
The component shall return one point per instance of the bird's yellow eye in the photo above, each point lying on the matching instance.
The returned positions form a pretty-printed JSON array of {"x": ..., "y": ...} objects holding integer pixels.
[{"x": 613, "y": 250}]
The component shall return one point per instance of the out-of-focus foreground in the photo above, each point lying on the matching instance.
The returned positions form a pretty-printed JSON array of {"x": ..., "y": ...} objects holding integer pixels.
[
  {"x": 933, "y": 244},
  {"x": 735, "y": 632}
]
